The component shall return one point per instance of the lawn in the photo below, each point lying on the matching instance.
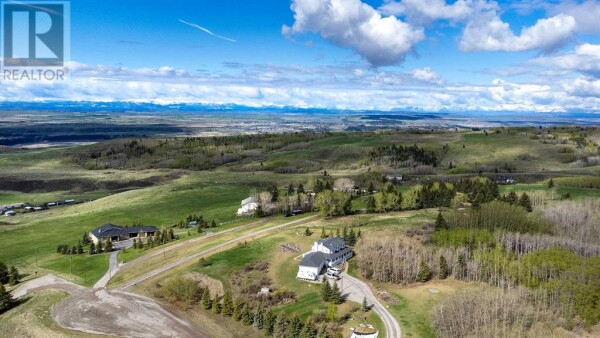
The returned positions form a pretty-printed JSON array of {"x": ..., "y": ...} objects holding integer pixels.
[
  {"x": 416, "y": 305},
  {"x": 215, "y": 196}
]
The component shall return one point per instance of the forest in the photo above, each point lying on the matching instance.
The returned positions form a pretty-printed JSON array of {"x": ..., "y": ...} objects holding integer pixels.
[{"x": 546, "y": 261}]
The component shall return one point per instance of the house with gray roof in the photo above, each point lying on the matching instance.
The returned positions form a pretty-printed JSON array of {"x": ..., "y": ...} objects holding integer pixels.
[
  {"x": 328, "y": 252},
  {"x": 117, "y": 233}
]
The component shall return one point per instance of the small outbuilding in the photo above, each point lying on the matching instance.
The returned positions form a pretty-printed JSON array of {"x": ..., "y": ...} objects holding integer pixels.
[{"x": 249, "y": 205}]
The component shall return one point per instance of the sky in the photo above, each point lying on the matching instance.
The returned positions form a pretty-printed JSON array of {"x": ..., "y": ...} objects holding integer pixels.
[{"x": 422, "y": 55}]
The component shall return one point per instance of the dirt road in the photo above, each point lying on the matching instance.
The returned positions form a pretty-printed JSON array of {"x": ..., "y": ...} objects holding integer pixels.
[
  {"x": 355, "y": 290},
  {"x": 103, "y": 311}
]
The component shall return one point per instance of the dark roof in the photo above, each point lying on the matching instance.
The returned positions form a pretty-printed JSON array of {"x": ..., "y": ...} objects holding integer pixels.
[
  {"x": 313, "y": 259},
  {"x": 332, "y": 242},
  {"x": 334, "y": 255},
  {"x": 111, "y": 230}
]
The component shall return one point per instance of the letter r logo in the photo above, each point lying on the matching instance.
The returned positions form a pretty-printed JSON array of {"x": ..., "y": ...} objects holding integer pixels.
[{"x": 34, "y": 33}]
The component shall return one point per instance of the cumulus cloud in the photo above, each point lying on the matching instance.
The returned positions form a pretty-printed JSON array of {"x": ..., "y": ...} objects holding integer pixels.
[
  {"x": 586, "y": 14},
  {"x": 382, "y": 41},
  {"x": 584, "y": 87},
  {"x": 484, "y": 28},
  {"x": 427, "y": 11},
  {"x": 487, "y": 32},
  {"x": 427, "y": 75},
  {"x": 584, "y": 59}
]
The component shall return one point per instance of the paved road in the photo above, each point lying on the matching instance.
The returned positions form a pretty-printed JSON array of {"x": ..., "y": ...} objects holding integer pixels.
[
  {"x": 113, "y": 268},
  {"x": 355, "y": 290},
  {"x": 184, "y": 260}
]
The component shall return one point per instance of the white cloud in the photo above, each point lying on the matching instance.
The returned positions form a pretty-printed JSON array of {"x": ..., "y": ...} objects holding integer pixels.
[
  {"x": 427, "y": 75},
  {"x": 586, "y": 14},
  {"x": 584, "y": 59},
  {"x": 487, "y": 32},
  {"x": 343, "y": 87},
  {"x": 382, "y": 41},
  {"x": 584, "y": 87},
  {"x": 427, "y": 11}
]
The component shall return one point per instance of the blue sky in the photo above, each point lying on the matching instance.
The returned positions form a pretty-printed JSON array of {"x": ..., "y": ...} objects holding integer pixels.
[{"x": 352, "y": 54}]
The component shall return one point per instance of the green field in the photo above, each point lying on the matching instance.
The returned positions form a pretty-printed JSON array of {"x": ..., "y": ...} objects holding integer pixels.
[{"x": 160, "y": 188}]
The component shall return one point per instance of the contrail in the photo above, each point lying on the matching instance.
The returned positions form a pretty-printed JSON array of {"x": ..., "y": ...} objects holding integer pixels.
[{"x": 206, "y": 31}]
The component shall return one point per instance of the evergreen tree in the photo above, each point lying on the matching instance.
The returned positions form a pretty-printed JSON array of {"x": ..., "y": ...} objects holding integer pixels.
[
  {"x": 328, "y": 186},
  {"x": 206, "y": 301},
  {"x": 550, "y": 184},
  {"x": 525, "y": 202},
  {"x": 331, "y": 312},
  {"x": 259, "y": 320},
  {"x": 351, "y": 237},
  {"x": 512, "y": 197},
  {"x": 440, "y": 222},
  {"x": 281, "y": 326},
  {"x": 6, "y": 300},
  {"x": 300, "y": 189},
  {"x": 274, "y": 193},
  {"x": 92, "y": 248},
  {"x": 258, "y": 212},
  {"x": 336, "y": 294},
  {"x": 108, "y": 246},
  {"x": 79, "y": 249},
  {"x": 227, "y": 304},
  {"x": 309, "y": 330},
  {"x": 237, "y": 310},
  {"x": 307, "y": 232},
  {"x": 14, "y": 277},
  {"x": 323, "y": 234},
  {"x": 270, "y": 320},
  {"x": 295, "y": 327},
  {"x": 322, "y": 333},
  {"x": 86, "y": 239},
  {"x": 319, "y": 186},
  {"x": 171, "y": 234},
  {"x": 444, "y": 272},
  {"x": 213, "y": 224},
  {"x": 216, "y": 307},
  {"x": 246, "y": 315},
  {"x": 345, "y": 234},
  {"x": 291, "y": 190},
  {"x": 371, "y": 189},
  {"x": 424, "y": 274},
  {"x": 326, "y": 290},
  {"x": 371, "y": 204},
  {"x": 365, "y": 305}
]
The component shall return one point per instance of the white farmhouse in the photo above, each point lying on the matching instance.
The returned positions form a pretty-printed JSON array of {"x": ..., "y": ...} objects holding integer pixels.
[
  {"x": 249, "y": 205},
  {"x": 328, "y": 252}
]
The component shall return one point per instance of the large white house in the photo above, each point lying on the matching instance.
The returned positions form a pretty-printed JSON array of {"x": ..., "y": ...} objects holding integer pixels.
[
  {"x": 249, "y": 205},
  {"x": 328, "y": 252}
]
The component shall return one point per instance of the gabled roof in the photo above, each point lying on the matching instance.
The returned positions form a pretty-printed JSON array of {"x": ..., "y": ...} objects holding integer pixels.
[
  {"x": 249, "y": 200},
  {"x": 111, "y": 230},
  {"x": 332, "y": 242},
  {"x": 313, "y": 259}
]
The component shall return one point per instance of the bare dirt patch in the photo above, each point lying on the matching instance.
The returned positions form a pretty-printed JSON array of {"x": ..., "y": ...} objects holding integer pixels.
[
  {"x": 289, "y": 248},
  {"x": 214, "y": 285}
]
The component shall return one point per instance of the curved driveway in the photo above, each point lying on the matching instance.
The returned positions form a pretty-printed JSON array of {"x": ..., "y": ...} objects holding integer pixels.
[{"x": 355, "y": 290}]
